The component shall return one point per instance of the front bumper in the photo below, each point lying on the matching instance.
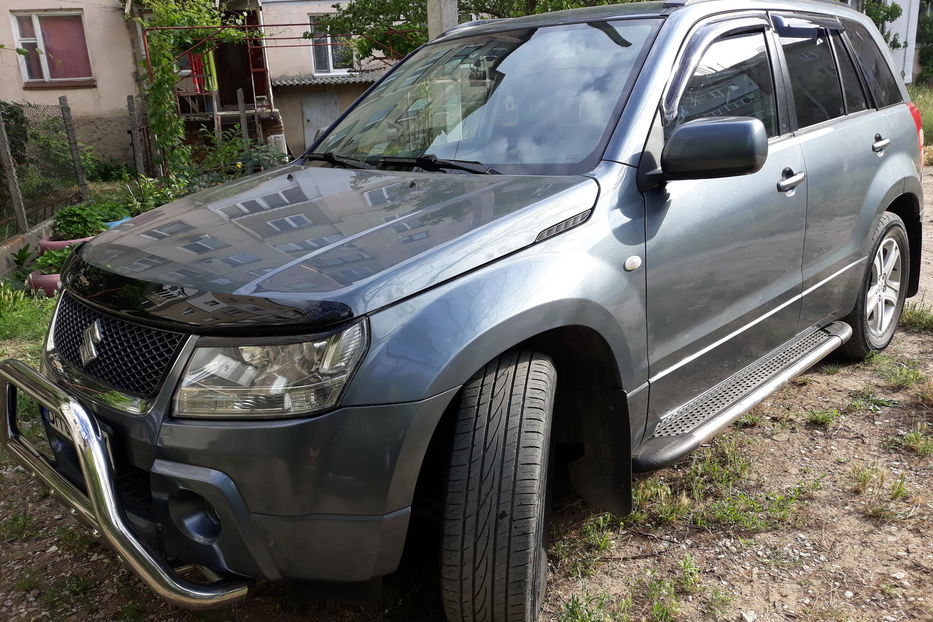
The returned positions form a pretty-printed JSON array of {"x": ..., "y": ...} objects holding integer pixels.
[
  {"x": 324, "y": 498},
  {"x": 99, "y": 507}
]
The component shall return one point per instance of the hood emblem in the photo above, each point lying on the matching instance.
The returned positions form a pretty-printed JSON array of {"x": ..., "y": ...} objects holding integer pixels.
[{"x": 91, "y": 337}]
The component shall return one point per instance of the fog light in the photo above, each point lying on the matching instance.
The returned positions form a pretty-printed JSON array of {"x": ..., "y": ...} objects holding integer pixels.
[{"x": 194, "y": 517}]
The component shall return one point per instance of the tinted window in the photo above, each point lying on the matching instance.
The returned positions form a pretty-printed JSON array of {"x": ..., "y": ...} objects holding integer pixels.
[
  {"x": 813, "y": 77},
  {"x": 877, "y": 72},
  {"x": 733, "y": 79},
  {"x": 851, "y": 86}
]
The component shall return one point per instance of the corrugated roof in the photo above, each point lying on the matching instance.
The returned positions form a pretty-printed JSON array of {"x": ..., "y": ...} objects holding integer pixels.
[{"x": 353, "y": 77}]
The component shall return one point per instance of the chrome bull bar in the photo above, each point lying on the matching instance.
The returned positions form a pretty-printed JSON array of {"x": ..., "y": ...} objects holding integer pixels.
[{"x": 100, "y": 507}]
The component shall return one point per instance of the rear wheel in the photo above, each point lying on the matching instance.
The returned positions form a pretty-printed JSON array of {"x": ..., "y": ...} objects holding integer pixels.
[
  {"x": 883, "y": 292},
  {"x": 493, "y": 564}
]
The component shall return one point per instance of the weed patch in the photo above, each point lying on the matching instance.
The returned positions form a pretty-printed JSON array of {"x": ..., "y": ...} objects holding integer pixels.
[
  {"x": 917, "y": 318},
  {"x": 919, "y": 440},
  {"x": 823, "y": 418},
  {"x": 19, "y": 526}
]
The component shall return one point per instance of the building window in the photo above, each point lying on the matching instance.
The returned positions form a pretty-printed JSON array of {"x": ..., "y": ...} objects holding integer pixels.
[
  {"x": 414, "y": 237},
  {"x": 204, "y": 244},
  {"x": 55, "y": 45},
  {"x": 241, "y": 259},
  {"x": 160, "y": 233},
  {"x": 289, "y": 223},
  {"x": 331, "y": 54}
]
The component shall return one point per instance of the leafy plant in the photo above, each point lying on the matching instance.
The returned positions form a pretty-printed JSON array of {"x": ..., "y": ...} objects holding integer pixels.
[
  {"x": 51, "y": 262},
  {"x": 77, "y": 221},
  {"x": 202, "y": 19},
  {"x": 147, "y": 193}
]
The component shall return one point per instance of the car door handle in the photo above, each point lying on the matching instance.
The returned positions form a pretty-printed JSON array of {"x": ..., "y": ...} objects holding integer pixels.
[
  {"x": 880, "y": 143},
  {"x": 790, "y": 180}
]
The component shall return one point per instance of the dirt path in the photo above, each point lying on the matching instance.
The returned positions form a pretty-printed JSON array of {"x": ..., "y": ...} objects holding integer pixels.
[{"x": 811, "y": 509}]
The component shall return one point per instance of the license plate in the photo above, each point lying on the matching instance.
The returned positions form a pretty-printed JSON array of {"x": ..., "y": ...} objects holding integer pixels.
[{"x": 56, "y": 421}]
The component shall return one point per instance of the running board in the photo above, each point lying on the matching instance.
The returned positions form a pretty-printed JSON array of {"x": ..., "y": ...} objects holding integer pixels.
[{"x": 694, "y": 423}]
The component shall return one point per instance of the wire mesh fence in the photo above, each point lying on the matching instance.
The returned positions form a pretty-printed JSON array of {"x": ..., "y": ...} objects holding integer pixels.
[{"x": 41, "y": 155}]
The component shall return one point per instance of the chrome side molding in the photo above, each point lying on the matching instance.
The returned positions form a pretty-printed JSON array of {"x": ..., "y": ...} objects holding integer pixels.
[{"x": 100, "y": 507}]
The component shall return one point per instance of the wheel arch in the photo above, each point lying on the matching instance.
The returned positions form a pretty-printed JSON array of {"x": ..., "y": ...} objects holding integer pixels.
[
  {"x": 908, "y": 207},
  {"x": 591, "y": 421}
]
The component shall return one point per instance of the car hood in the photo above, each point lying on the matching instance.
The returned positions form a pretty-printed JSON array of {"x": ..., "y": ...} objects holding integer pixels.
[{"x": 311, "y": 245}]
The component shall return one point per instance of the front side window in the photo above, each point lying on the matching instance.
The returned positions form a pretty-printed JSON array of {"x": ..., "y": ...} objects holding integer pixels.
[
  {"x": 814, "y": 80},
  {"x": 877, "y": 72},
  {"x": 331, "y": 54},
  {"x": 55, "y": 45},
  {"x": 538, "y": 100},
  {"x": 733, "y": 79}
]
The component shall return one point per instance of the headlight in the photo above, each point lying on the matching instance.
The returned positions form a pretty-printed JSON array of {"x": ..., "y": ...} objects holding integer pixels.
[{"x": 275, "y": 380}]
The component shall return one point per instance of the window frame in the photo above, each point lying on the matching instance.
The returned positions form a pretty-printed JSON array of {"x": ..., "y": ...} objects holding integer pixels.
[
  {"x": 839, "y": 39},
  {"x": 706, "y": 34},
  {"x": 872, "y": 95},
  {"x": 821, "y": 22},
  {"x": 329, "y": 46},
  {"x": 40, "y": 45}
]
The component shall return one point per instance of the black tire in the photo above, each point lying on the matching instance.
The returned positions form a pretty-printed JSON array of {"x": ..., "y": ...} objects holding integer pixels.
[
  {"x": 493, "y": 562},
  {"x": 864, "y": 340}
]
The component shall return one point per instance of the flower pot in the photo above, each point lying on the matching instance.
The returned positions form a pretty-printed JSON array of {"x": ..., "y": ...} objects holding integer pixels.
[
  {"x": 48, "y": 283},
  {"x": 54, "y": 245}
]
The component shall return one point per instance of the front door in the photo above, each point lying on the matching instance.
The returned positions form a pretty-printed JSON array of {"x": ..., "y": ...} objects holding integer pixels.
[
  {"x": 318, "y": 111},
  {"x": 723, "y": 255}
]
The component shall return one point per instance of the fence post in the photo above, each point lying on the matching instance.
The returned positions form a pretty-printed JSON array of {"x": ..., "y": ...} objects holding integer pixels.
[
  {"x": 73, "y": 142},
  {"x": 134, "y": 133},
  {"x": 7, "y": 158},
  {"x": 241, "y": 106}
]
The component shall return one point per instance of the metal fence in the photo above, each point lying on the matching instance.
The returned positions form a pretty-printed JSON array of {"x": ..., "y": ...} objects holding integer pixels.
[{"x": 40, "y": 147}]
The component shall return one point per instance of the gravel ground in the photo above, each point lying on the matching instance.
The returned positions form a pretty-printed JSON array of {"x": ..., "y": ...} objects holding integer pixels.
[{"x": 845, "y": 546}]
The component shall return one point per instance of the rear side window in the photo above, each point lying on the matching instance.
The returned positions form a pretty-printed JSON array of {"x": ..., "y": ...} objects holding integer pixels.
[
  {"x": 877, "y": 72},
  {"x": 733, "y": 79},
  {"x": 851, "y": 86},
  {"x": 813, "y": 77}
]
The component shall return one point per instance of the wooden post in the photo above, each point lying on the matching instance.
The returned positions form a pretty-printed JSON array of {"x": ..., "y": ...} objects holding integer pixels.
[
  {"x": 134, "y": 132},
  {"x": 442, "y": 15},
  {"x": 6, "y": 156},
  {"x": 241, "y": 106},
  {"x": 73, "y": 143}
]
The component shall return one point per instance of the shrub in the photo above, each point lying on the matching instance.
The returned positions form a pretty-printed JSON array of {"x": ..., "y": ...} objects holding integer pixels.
[
  {"x": 51, "y": 262},
  {"x": 86, "y": 219}
]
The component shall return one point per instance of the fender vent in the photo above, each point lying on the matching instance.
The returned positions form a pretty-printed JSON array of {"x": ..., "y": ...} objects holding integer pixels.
[{"x": 560, "y": 227}]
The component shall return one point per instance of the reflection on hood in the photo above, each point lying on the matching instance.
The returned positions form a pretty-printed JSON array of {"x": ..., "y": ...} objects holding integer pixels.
[{"x": 361, "y": 238}]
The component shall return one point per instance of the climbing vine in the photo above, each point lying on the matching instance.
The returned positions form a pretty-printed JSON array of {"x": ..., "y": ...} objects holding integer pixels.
[{"x": 204, "y": 18}]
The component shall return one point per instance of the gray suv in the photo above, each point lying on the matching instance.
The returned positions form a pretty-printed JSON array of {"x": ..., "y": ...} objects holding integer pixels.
[{"x": 591, "y": 238}]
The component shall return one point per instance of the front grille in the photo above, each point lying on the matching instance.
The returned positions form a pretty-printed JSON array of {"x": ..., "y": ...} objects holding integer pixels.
[{"x": 131, "y": 358}]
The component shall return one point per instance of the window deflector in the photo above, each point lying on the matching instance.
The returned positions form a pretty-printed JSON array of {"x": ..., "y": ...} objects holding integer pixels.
[{"x": 691, "y": 55}]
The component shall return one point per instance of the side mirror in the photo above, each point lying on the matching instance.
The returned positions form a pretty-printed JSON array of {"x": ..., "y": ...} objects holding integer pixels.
[{"x": 715, "y": 147}]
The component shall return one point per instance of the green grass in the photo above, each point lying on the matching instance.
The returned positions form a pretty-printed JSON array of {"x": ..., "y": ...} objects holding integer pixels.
[
  {"x": 688, "y": 576},
  {"x": 922, "y": 96},
  {"x": 899, "y": 373},
  {"x": 829, "y": 369},
  {"x": 68, "y": 593},
  {"x": 27, "y": 582},
  {"x": 712, "y": 492},
  {"x": 823, "y": 418},
  {"x": 19, "y": 526},
  {"x": 598, "y": 608},
  {"x": 866, "y": 399},
  {"x": 74, "y": 539},
  {"x": 919, "y": 441},
  {"x": 917, "y": 318},
  {"x": 23, "y": 316},
  {"x": 863, "y": 475}
]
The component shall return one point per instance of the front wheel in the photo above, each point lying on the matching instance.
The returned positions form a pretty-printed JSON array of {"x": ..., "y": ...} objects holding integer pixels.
[
  {"x": 883, "y": 292},
  {"x": 493, "y": 564}
]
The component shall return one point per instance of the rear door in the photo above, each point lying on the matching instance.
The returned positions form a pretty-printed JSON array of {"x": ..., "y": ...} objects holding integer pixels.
[
  {"x": 723, "y": 255},
  {"x": 841, "y": 133}
]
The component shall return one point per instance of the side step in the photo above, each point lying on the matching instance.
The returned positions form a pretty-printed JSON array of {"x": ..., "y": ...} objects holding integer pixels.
[{"x": 686, "y": 428}]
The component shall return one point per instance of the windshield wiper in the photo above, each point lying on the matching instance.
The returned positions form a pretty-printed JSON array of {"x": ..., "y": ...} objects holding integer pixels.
[
  {"x": 431, "y": 162},
  {"x": 337, "y": 160}
]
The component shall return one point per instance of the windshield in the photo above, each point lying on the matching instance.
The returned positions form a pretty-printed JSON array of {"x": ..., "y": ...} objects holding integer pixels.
[{"x": 531, "y": 101}]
